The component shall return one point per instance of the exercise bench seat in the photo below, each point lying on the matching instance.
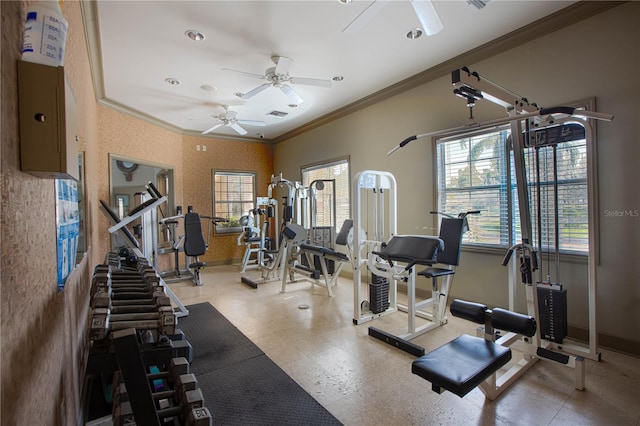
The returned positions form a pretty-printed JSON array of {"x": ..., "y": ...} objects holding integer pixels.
[
  {"x": 467, "y": 361},
  {"x": 325, "y": 252},
  {"x": 462, "y": 364}
]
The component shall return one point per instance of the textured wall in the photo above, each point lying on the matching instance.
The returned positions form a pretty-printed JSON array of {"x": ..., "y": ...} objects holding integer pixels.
[
  {"x": 124, "y": 135},
  {"x": 198, "y": 175},
  {"x": 43, "y": 330}
]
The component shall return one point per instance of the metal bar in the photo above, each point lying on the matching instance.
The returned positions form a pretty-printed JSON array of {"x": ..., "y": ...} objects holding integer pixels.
[{"x": 134, "y": 374}]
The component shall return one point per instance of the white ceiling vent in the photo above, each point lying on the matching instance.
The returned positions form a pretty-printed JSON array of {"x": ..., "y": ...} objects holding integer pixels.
[
  {"x": 479, "y": 4},
  {"x": 278, "y": 114}
]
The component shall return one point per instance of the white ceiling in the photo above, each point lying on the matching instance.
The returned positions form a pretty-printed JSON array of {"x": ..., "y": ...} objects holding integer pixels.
[{"x": 136, "y": 45}]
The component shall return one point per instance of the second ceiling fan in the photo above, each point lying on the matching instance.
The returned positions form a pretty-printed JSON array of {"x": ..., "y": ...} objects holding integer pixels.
[
  {"x": 229, "y": 118},
  {"x": 279, "y": 77}
]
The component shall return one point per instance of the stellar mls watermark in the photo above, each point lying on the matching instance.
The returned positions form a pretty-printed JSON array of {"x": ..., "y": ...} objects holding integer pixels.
[{"x": 622, "y": 213}]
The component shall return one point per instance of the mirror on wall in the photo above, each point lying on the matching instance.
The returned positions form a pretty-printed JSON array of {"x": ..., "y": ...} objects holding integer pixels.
[{"x": 129, "y": 178}]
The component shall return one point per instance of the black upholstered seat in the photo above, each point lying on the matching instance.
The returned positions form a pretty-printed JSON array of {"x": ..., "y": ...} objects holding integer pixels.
[
  {"x": 194, "y": 244},
  {"x": 462, "y": 364},
  {"x": 325, "y": 252},
  {"x": 451, "y": 231}
]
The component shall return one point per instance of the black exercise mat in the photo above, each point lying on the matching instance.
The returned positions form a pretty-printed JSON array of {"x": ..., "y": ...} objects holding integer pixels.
[{"x": 240, "y": 384}]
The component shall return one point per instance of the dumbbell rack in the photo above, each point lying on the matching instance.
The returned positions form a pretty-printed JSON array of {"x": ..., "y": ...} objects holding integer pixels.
[
  {"x": 132, "y": 328},
  {"x": 134, "y": 400}
]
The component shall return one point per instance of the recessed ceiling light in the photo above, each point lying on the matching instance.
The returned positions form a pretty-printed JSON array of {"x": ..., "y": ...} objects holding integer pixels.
[
  {"x": 194, "y": 35},
  {"x": 338, "y": 78},
  {"x": 208, "y": 87},
  {"x": 414, "y": 33},
  {"x": 173, "y": 81}
]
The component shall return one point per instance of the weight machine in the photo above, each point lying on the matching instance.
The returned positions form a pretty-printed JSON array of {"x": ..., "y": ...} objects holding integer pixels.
[
  {"x": 391, "y": 258},
  {"x": 531, "y": 126},
  {"x": 192, "y": 242},
  {"x": 527, "y": 118},
  {"x": 120, "y": 227},
  {"x": 314, "y": 257},
  {"x": 269, "y": 260},
  {"x": 255, "y": 235}
]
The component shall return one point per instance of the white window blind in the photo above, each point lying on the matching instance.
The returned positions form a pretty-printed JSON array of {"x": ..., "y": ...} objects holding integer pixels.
[
  {"x": 337, "y": 170},
  {"x": 476, "y": 172}
]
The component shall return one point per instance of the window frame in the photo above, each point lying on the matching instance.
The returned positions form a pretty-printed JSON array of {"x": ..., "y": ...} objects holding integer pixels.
[
  {"x": 228, "y": 228},
  {"x": 343, "y": 214},
  {"x": 511, "y": 196}
]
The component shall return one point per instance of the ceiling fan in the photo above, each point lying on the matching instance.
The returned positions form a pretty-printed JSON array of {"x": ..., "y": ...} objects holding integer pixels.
[
  {"x": 278, "y": 76},
  {"x": 424, "y": 9},
  {"x": 229, "y": 118}
]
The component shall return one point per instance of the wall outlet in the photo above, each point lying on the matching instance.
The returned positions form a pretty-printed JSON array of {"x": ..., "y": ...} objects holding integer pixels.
[
  {"x": 197, "y": 147},
  {"x": 204, "y": 147}
]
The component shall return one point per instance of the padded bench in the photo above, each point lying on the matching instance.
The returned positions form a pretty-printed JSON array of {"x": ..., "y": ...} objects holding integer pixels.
[
  {"x": 325, "y": 252},
  {"x": 462, "y": 364},
  {"x": 467, "y": 361}
]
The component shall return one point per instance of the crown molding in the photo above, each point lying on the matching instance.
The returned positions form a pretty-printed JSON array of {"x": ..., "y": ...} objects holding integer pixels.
[{"x": 554, "y": 22}]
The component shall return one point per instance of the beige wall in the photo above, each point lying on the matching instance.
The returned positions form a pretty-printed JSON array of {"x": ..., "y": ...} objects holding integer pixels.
[{"x": 594, "y": 58}]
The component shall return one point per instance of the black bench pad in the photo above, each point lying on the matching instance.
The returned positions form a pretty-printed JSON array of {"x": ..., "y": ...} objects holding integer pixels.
[
  {"x": 462, "y": 364},
  {"x": 326, "y": 252}
]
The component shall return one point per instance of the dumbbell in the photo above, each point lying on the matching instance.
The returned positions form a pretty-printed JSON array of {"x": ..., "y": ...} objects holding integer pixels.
[
  {"x": 177, "y": 367},
  {"x": 107, "y": 296},
  {"x": 103, "y": 321},
  {"x": 108, "y": 283},
  {"x": 197, "y": 416},
  {"x": 187, "y": 397},
  {"x": 184, "y": 400},
  {"x": 121, "y": 407}
]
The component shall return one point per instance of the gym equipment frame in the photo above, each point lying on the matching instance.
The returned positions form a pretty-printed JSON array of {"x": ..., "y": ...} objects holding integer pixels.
[
  {"x": 270, "y": 261},
  {"x": 525, "y": 117},
  {"x": 120, "y": 226},
  {"x": 392, "y": 258}
]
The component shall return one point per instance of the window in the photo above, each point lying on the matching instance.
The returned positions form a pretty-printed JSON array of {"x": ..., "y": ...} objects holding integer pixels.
[
  {"x": 337, "y": 170},
  {"x": 233, "y": 197},
  {"x": 476, "y": 172}
]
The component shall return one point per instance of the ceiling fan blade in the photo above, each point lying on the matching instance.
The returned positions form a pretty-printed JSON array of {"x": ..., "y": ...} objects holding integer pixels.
[
  {"x": 251, "y": 93},
  {"x": 211, "y": 129},
  {"x": 293, "y": 96},
  {"x": 283, "y": 64},
  {"x": 310, "y": 81},
  {"x": 427, "y": 16},
  {"x": 252, "y": 123},
  {"x": 238, "y": 128},
  {"x": 247, "y": 74},
  {"x": 365, "y": 16}
]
